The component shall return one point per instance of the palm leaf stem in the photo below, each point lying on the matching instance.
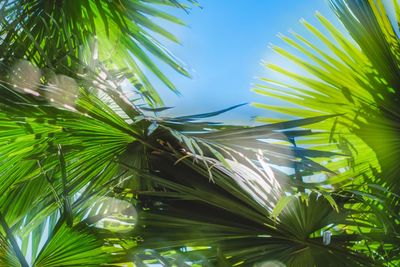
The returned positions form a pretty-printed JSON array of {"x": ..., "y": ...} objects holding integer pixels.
[{"x": 13, "y": 242}]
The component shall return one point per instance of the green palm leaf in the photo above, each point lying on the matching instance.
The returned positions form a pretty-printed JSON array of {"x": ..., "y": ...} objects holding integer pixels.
[
  {"x": 59, "y": 35},
  {"x": 356, "y": 76}
]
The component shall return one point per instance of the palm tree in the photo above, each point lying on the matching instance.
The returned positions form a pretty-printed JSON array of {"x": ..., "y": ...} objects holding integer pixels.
[
  {"x": 93, "y": 171},
  {"x": 90, "y": 177},
  {"x": 80, "y": 159}
]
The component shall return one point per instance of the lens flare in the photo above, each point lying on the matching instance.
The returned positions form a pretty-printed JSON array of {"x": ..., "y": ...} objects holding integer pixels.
[
  {"x": 62, "y": 91},
  {"x": 25, "y": 78}
]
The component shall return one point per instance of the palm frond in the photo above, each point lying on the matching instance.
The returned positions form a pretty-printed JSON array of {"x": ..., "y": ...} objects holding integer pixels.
[
  {"x": 354, "y": 74},
  {"x": 59, "y": 35}
]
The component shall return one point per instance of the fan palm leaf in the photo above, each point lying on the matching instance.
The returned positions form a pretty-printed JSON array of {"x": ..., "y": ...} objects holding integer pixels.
[
  {"x": 61, "y": 34},
  {"x": 355, "y": 75},
  {"x": 352, "y": 79}
]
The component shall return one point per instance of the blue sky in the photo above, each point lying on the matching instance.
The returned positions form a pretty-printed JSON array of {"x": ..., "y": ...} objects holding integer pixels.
[{"x": 224, "y": 45}]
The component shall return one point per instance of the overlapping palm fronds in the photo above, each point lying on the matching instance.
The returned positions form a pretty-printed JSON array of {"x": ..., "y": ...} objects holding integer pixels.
[
  {"x": 105, "y": 172},
  {"x": 356, "y": 76},
  {"x": 61, "y": 34},
  {"x": 90, "y": 178}
]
